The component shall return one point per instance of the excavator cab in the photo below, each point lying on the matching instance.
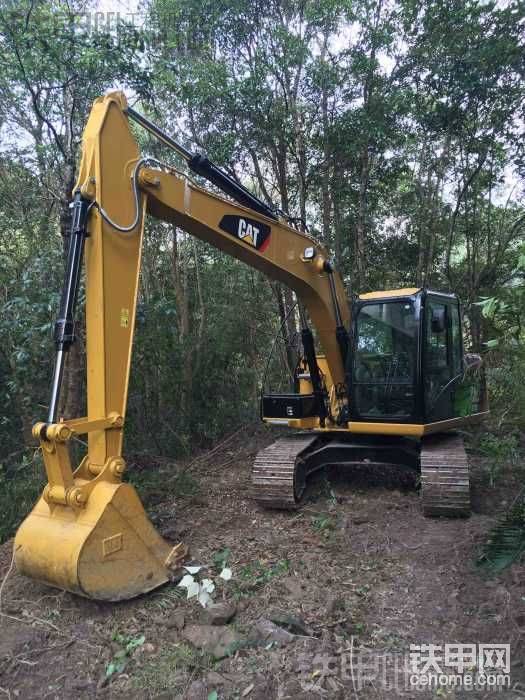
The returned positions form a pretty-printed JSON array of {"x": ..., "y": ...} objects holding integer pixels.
[{"x": 408, "y": 363}]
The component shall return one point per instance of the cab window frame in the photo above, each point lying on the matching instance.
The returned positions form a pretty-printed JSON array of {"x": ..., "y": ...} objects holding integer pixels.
[
  {"x": 453, "y": 307},
  {"x": 417, "y": 415}
]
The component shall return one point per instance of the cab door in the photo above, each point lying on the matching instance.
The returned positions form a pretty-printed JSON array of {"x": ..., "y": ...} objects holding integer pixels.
[{"x": 442, "y": 357}]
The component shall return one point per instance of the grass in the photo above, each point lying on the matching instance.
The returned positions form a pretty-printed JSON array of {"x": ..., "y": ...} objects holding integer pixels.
[
  {"x": 324, "y": 525},
  {"x": 257, "y": 574},
  {"x": 152, "y": 484},
  {"x": 168, "y": 671},
  {"x": 506, "y": 543}
]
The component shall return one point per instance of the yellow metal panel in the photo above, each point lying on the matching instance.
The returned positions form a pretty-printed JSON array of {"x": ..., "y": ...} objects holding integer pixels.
[
  {"x": 405, "y": 292},
  {"x": 112, "y": 270},
  {"x": 408, "y": 429}
]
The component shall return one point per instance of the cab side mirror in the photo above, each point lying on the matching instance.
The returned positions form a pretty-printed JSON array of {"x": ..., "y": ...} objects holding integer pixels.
[{"x": 438, "y": 321}]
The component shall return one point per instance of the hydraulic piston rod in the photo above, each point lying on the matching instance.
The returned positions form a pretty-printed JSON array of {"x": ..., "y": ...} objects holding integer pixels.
[
  {"x": 205, "y": 168},
  {"x": 65, "y": 324}
]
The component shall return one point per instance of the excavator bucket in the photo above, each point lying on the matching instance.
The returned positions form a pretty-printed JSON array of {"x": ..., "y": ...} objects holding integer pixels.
[{"x": 107, "y": 550}]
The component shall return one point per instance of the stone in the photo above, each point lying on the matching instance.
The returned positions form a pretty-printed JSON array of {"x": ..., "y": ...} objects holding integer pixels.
[
  {"x": 217, "y": 641},
  {"x": 268, "y": 631},
  {"x": 219, "y": 613},
  {"x": 176, "y": 620},
  {"x": 144, "y": 650},
  {"x": 215, "y": 678},
  {"x": 291, "y": 623}
]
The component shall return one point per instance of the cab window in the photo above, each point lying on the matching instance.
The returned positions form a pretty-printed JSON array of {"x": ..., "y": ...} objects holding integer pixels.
[
  {"x": 385, "y": 359},
  {"x": 442, "y": 360}
]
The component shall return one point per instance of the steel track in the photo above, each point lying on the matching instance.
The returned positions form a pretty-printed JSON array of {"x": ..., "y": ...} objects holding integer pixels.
[
  {"x": 278, "y": 478},
  {"x": 445, "y": 484}
]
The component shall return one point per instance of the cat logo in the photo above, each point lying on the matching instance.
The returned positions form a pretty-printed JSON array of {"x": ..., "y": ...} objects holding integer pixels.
[{"x": 250, "y": 231}]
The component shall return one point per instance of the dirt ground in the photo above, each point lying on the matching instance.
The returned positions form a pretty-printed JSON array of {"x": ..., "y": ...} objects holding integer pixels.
[{"x": 325, "y": 601}]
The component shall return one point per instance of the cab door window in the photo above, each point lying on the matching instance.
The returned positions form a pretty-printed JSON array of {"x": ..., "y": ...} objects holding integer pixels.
[
  {"x": 438, "y": 360},
  {"x": 455, "y": 340}
]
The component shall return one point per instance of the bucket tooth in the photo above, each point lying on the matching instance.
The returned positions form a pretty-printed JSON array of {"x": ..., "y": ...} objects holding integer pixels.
[{"x": 108, "y": 550}]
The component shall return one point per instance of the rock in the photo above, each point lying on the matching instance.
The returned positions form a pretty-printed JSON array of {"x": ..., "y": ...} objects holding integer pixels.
[
  {"x": 217, "y": 641},
  {"x": 197, "y": 691},
  {"x": 175, "y": 620},
  {"x": 219, "y": 613},
  {"x": 291, "y": 623},
  {"x": 268, "y": 631}
]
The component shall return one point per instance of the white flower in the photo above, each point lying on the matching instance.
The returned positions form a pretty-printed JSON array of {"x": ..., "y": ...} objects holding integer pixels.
[
  {"x": 226, "y": 574},
  {"x": 204, "y": 598},
  {"x": 207, "y": 585},
  {"x": 192, "y": 587},
  {"x": 193, "y": 569}
]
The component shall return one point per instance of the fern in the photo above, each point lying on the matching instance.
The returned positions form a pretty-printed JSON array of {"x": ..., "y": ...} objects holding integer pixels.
[{"x": 507, "y": 540}]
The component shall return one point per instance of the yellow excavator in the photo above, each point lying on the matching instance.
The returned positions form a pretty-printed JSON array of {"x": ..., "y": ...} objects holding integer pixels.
[{"x": 392, "y": 378}]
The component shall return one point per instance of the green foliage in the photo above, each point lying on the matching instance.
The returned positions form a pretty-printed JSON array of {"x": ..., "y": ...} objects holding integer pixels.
[
  {"x": 220, "y": 559},
  {"x": 151, "y": 483},
  {"x": 21, "y": 482},
  {"x": 506, "y": 542},
  {"x": 257, "y": 574},
  {"x": 498, "y": 451},
  {"x": 127, "y": 646},
  {"x": 501, "y": 448},
  {"x": 506, "y": 308},
  {"x": 323, "y": 525}
]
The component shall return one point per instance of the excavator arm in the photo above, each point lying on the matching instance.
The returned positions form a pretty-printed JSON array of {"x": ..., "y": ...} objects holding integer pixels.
[{"x": 89, "y": 533}]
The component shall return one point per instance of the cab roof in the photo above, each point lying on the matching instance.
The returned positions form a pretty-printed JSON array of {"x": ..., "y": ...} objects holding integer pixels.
[
  {"x": 403, "y": 293},
  {"x": 389, "y": 293}
]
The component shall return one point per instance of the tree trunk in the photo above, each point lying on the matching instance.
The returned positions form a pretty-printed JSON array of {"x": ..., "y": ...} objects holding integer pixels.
[
  {"x": 180, "y": 281},
  {"x": 325, "y": 176},
  {"x": 360, "y": 244}
]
